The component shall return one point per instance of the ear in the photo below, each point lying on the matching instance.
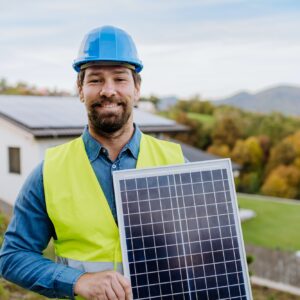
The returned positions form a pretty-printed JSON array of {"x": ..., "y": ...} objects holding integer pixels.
[
  {"x": 137, "y": 95},
  {"x": 80, "y": 93}
]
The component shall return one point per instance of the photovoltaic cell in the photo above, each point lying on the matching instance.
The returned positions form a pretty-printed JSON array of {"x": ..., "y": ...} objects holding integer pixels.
[{"x": 180, "y": 232}]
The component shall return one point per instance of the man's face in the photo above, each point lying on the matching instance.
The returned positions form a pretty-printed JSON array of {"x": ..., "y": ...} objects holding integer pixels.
[{"x": 109, "y": 94}]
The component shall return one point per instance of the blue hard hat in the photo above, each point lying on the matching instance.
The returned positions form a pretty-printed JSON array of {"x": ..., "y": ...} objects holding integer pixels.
[{"x": 108, "y": 44}]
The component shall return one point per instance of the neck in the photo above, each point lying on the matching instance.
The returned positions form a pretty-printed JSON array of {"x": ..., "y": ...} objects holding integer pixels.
[{"x": 113, "y": 142}]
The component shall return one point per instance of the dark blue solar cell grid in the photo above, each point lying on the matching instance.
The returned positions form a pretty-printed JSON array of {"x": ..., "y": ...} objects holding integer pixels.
[{"x": 181, "y": 237}]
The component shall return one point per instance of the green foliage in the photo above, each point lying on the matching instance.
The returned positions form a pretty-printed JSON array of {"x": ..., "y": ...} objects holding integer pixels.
[
  {"x": 226, "y": 131},
  {"x": 207, "y": 120},
  {"x": 11, "y": 291},
  {"x": 275, "y": 126},
  {"x": 250, "y": 260},
  {"x": 248, "y": 153},
  {"x": 194, "y": 105},
  {"x": 198, "y": 135},
  {"x": 284, "y": 181},
  {"x": 222, "y": 150},
  {"x": 4, "y": 294},
  {"x": 249, "y": 182},
  {"x": 22, "y": 88},
  {"x": 258, "y": 143}
]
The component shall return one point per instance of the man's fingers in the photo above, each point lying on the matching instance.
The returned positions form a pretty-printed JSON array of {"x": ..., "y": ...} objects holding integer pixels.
[
  {"x": 125, "y": 283},
  {"x": 118, "y": 289},
  {"x": 110, "y": 294},
  {"x": 106, "y": 285},
  {"x": 102, "y": 297}
]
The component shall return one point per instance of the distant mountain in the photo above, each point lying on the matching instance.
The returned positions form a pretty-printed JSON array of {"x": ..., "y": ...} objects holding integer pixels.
[{"x": 283, "y": 99}]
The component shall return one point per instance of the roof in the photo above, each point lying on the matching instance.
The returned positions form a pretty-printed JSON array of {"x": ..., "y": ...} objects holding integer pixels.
[{"x": 66, "y": 116}]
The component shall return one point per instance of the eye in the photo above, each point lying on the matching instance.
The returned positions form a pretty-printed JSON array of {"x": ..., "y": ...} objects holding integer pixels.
[
  {"x": 120, "y": 79},
  {"x": 94, "y": 81}
]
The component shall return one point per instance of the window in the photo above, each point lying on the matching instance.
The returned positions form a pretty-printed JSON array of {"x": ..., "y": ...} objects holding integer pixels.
[{"x": 14, "y": 160}]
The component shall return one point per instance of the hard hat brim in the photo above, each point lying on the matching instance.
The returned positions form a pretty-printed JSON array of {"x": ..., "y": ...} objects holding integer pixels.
[
  {"x": 78, "y": 64},
  {"x": 107, "y": 63}
]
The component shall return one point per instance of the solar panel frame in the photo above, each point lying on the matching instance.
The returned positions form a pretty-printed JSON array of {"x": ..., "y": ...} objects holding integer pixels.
[{"x": 137, "y": 177}]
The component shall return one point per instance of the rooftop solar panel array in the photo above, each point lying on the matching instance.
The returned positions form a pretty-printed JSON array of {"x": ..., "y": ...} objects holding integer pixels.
[
  {"x": 180, "y": 232},
  {"x": 61, "y": 112}
]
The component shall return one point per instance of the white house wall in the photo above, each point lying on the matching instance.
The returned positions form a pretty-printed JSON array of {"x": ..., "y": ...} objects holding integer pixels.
[
  {"x": 31, "y": 152},
  {"x": 13, "y": 136}
]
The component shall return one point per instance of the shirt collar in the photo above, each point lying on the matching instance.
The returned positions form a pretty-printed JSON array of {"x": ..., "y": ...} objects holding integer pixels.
[{"x": 93, "y": 147}]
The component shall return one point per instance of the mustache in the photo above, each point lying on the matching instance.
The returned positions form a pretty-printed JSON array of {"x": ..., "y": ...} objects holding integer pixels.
[{"x": 102, "y": 100}]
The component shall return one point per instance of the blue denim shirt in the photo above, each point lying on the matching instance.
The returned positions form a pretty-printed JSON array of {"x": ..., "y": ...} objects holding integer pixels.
[{"x": 30, "y": 230}]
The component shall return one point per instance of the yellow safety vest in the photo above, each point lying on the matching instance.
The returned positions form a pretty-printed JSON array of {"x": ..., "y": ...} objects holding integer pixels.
[{"x": 87, "y": 235}]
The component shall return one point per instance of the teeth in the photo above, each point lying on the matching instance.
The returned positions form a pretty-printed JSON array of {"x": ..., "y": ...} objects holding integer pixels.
[{"x": 109, "y": 105}]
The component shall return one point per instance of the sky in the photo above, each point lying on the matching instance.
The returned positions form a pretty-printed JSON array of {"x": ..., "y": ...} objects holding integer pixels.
[{"x": 210, "y": 48}]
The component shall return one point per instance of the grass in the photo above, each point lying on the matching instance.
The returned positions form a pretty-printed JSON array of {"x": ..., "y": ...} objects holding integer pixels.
[
  {"x": 264, "y": 293},
  {"x": 205, "y": 119},
  {"x": 10, "y": 291},
  {"x": 276, "y": 225}
]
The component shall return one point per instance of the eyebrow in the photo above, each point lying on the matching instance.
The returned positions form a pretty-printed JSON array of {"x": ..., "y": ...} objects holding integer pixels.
[{"x": 96, "y": 73}]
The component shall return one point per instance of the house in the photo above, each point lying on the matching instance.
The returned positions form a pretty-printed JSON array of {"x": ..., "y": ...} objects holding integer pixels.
[{"x": 31, "y": 124}]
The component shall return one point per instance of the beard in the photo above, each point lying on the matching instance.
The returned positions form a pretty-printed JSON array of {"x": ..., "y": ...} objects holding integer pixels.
[{"x": 108, "y": 122}]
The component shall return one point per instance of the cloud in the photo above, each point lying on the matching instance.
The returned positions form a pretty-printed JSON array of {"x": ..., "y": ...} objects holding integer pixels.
[{"x": 207, "y": 46}]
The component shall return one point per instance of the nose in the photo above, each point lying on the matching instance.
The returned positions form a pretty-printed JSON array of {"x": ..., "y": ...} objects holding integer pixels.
[{"x": 108, "y": 89}]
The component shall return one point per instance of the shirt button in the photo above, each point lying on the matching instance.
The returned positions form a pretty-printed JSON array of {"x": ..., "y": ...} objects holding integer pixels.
[{"x": 114, "y": 166}]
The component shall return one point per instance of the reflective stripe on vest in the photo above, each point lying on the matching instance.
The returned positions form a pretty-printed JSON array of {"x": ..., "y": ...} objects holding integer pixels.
[
  {"x": 89, "y": 266},
  {"x": 85, "y": 228}
]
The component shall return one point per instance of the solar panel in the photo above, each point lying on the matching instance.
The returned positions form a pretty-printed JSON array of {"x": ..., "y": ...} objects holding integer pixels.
[
  {"x": 61, "y": 112},
  {"x": 180, "y": 232}
]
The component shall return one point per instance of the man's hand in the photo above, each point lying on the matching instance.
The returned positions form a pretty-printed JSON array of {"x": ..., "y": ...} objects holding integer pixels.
[{"x": 106, "y": 285}]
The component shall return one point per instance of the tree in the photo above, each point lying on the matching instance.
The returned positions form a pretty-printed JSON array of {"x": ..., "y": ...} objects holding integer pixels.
[
  {"x": 197, "y": 136},
  {"x": 249, "y": 182},
  {"x": 248, "y": 153},
  {"x": 283, "y": 181},
  {"x": 226, "y": 132},
  {"x": 219, "y": 150},
  {"x": 276, "y": 126},
  {"x": 22, "y": 88},
  {"x": 283, "y": 153}
]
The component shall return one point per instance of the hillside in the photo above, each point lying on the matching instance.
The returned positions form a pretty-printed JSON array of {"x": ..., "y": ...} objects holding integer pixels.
[{"x": 284, "y": 99}]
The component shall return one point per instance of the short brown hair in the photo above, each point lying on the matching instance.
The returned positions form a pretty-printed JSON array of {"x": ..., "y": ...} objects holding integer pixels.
[{"x": 136, "y": 78}]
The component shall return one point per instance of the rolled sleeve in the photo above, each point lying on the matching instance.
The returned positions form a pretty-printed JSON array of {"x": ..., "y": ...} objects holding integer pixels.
[{"x": 65, "y": 281}]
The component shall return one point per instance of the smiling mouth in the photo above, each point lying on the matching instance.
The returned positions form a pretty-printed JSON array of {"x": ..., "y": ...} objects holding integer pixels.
[{"x": 106, "y": 105}]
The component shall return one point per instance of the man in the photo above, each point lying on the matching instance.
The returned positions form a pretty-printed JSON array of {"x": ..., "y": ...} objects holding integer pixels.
[{"x": 69, "y": 196}]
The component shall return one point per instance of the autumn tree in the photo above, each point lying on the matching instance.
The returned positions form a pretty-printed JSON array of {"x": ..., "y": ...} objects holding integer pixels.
[
  {"x": 226, "y": 132},
  {"x": 248, "y": 153},
  {"x": 197, "y": 136},
  {"x": 285, "y": 153},
  {"x": 283, "y": 181},
  {"x": 276, "y": 126},
  {"x": 219, "y": 150}
]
